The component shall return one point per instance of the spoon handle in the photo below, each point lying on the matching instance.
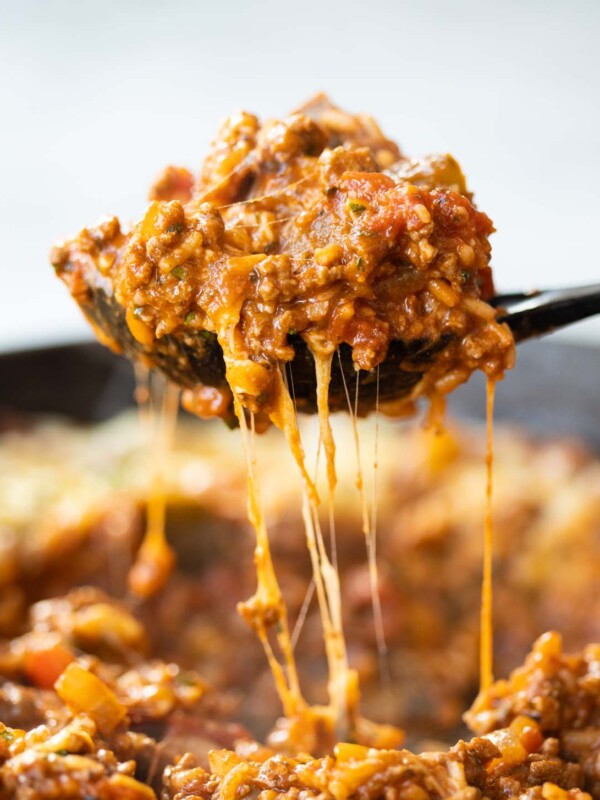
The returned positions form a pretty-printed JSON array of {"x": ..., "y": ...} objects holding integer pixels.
[{"x": 535, "y": 313}]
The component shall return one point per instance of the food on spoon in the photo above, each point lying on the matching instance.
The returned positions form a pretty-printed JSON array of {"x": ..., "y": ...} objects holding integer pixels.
[{"x": 312, "y": 226}]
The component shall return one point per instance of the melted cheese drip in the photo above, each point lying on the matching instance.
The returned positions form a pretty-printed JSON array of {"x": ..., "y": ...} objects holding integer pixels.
[
  {"x": 369, "y": 522},
  {"x": 158, "y": 401},
  {"x": 371, "y": 542},
  {"x": 303, "y": 613},
  {"x": 266, "y": 608},
  {"x": 283, "y": 416},
  {"x": 486, "y": 635},
  {"x": 323, "y": 376},
  {"x": 342, "y": 684}
]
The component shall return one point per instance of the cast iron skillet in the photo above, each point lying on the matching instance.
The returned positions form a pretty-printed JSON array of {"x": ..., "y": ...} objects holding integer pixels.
[
  {"x": 192, "y": 357},
  {"x": 553, "y": 389}
]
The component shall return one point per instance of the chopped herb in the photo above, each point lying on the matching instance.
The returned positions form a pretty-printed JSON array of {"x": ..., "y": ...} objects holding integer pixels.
[
  {"x": 7, "y": 736},
  {"x": 356, "y": 208},
  {"x": 138, "y": 311},
  {"x": 208, "y": 335},
  {"x": 176, "y": 227},
  {"x": 359, "y": 264},
  {"x": 465, "y": 275},
  {"x": 178, "y": 272},
  {"x": 62, "y": 752},
  {"x": 189, "y": 318},
  {"x": 292, "y": 332}
]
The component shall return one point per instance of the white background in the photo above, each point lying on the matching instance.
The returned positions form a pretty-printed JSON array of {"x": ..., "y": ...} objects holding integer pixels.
[{"x": 96, "y": 97}]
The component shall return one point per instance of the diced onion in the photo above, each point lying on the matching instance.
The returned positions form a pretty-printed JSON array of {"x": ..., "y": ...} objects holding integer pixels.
[{"x": 85, "y": 693}]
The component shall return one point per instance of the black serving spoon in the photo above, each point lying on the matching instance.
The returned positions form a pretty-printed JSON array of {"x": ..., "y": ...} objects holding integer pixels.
[
  {"x": 536, "y": 313},
  {"x": 192, "y": 357}
]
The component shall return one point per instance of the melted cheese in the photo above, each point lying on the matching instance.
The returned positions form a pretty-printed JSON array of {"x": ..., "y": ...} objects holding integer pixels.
[
  {"x": 283, "y": 416},
  {"x": 323, "y": 376},
  {"x": 369, "y": 522},
  {"x": 486, "y": 635},
  {"x": 248, "y": 381},
  {"x": 342, "y": 681},
  {"x": 158, "y": 402},
  {"x": 266, "y": 608},
  {"x": 266, "y": 611},
  {"x": 371, "y": 542}
]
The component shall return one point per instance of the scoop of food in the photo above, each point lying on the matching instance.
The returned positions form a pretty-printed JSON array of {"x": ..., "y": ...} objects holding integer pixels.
[{"x": 302, "y": 239}]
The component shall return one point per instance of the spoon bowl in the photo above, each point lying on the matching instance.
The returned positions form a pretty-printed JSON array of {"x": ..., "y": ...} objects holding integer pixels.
[{"x": 192, "y": 357}]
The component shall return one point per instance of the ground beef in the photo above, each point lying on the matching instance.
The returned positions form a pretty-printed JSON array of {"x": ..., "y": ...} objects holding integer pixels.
[
  {"x": 537, "y": 738},
  {"x": 311, "y": 226}
]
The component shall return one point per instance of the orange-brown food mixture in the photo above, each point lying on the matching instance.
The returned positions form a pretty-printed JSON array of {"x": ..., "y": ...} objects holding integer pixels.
[
  {"x": 293, "y": 229},
  {"x": 547, "y": 526},
  {"x": 314, "y": 225},
  {"x": 540, "y": 743},
  {"x": 121, "y": 726}
]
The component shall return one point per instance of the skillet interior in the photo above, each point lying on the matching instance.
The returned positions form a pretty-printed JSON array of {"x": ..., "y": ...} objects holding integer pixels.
[{"x": 551, "y": 392}]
